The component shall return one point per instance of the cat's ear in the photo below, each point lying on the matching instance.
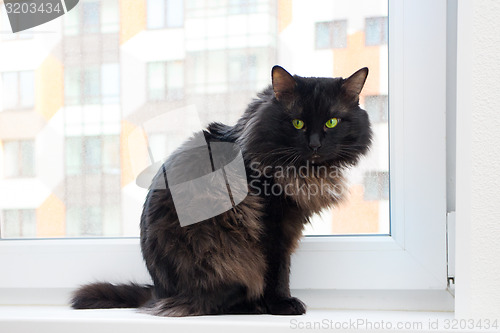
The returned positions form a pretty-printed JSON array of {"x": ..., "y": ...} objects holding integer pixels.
[
  {"x": 354, "y": 83},
  {"x": 283, "y": 84}
]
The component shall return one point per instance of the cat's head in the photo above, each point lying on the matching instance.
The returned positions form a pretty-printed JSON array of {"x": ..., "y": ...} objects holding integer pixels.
[{"x": 309, "y": 120}]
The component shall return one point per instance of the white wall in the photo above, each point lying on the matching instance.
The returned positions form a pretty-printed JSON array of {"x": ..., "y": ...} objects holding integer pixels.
[{"x": 478, "y": 160}]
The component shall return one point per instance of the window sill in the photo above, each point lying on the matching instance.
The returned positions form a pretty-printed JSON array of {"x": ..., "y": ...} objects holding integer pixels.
[
  {"x": 340, "y": 310},
  {"x": 63, "y": 319}
]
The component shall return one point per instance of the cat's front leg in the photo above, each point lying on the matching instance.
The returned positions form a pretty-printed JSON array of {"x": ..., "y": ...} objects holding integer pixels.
[{"x": 277, "y": 291}]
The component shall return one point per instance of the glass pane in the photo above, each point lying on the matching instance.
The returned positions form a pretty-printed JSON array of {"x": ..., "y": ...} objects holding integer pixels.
[
  {"x": 72, "y": 22},
  {"x": 73, "y": 155},
  {"x": 10, "y": 90},
  {"x": 110, "y": 16},
  {"x": 156, "y": 80},
  {"x": 18, "y": 223},
  {"x": 91, "y": 85},
  {"x": 11, "y": 223},
  {"x": 27, "y": 151},
  {"x": 11, "y": 159},
  {"x": 323, "y": 37},
  {"x": 92, "y": 154},
  {"x": 339, "y": 34},
  {"x": 175, "y": 13},
  {"x": 27, "y": 88},
  {"x": 156, "y": 14},
  {"x": 72, "y": 86},
  {"x": 91, "y": 17},
  {"x": 175, "y": 79},
  {"x": 107, "y": 86},
  {"x": 110, "y": 74}
]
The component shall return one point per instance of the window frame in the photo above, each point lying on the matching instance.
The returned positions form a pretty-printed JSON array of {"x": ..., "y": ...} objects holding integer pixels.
[
  {"x": 19, "y": 91},
  {"x": 413, "y": 256}
]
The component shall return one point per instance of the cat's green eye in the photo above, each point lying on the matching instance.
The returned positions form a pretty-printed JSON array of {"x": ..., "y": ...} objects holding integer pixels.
[
  {"x": 297, "y": 123},
  {"x": 332, "y": 122}
]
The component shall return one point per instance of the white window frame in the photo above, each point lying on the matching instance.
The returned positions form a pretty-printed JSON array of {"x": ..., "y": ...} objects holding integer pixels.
[{"x": 412, "y": 257}]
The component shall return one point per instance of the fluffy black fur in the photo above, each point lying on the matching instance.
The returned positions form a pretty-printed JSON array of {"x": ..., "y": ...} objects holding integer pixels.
[{"x": 239, "y": 261}]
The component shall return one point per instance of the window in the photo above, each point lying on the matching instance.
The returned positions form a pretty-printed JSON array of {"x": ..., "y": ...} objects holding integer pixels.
[
  {"x": 376, "y": 186},
  {"x": 92, "y": 84},
  {"x": 91, "y": 155},
  {"x": 92, "y": 186},
  {"x": 91, "y": 17},
  {"x": 97, "y": 196},
  {"x": 19, "y": 159},
  {"x": 377, "y": 108},
  {"x": 165, "y": 14},
  {"x": 18, "y": 90},
  {"x": 110, "y": 16},
  {"x": 331, "y": 35},
  {"x": 243, "y": 6},
  {"x": 7, "y": 34},
  {"x": 165, "y": 80},
  {"x": 18, "y": 223},
  {"x": 376, "y": 30}
]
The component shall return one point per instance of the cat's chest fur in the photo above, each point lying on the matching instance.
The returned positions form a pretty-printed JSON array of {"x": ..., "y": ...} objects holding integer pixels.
[{"x": 310, "y": 189}]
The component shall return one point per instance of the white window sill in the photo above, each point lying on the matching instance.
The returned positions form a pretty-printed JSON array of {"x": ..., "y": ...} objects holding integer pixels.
[
  {"x": 329, "y": 310},
  {"x": 55, "y": 319}
]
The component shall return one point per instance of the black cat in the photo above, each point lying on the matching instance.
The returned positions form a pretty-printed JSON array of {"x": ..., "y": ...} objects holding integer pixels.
[{"x": 298, "y": 135}]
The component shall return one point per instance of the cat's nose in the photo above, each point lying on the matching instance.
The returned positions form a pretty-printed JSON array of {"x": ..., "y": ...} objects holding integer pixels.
[{"x": 314, "y": 141}]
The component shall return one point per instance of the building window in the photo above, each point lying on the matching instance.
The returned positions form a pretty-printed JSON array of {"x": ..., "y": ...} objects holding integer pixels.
[
  {"x": 18, "y": 90},
  {"x": 110, "y": 84},
  {"x": 92, "y": 155},
  {"x": 377, "y": 108},
  {"x": 84, "y": 221},
  {"x": 18, "y": 223},
  {"x": 92, "y": 85},
  {"x": 331, "y": 35},
  {"x": 165, "y": 80},
  {"x": 165, "y": 14},
  {"x": 19, "y": 158},
  {"x": 110, "y": 16},
  {"x": 242, "y": 70},
  {"x": 376, "y": 184},
  {"x": 93, "y": 17},
  {"x": 243, "y": 6},
  {"x": 7, "y": 33},
  {"x": 376, "y": 31}
]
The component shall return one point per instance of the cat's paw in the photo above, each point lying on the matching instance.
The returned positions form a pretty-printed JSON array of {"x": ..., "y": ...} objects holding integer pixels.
[{"x": 287, "y": 306}]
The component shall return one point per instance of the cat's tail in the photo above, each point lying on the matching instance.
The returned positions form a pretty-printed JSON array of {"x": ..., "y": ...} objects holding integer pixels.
[{"x": 103, "y": 295}]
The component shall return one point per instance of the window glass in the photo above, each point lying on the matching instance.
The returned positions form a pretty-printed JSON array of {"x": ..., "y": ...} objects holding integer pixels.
[
  {"x": 156, "y": 14},
  {"x": 19, "y": 159},
  {"x": 11, "y": 159},
  {"x": 156, "y": 81},
  {"x": 376, "y": 30},
  {"x": 175, "y": 13},
  {"x": 73, "y": 155},
  {"x": 72, "y": 85},
  {"x": 175, "y": 79},
  {"x": 91, "y": 17},
  {"x": 18, "y": 223},
  {"x": 91, "y": 85},
  {"x": 110, "y": 16},
  {"x": 72, "y": 22},
  {"x": 339, "y": 34},
  {"x": 27, "y": 88},
  {"x": 10, "y": 89},
  {"x": 100, "y": 87},
  {"x": 110, "y": 74}
]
